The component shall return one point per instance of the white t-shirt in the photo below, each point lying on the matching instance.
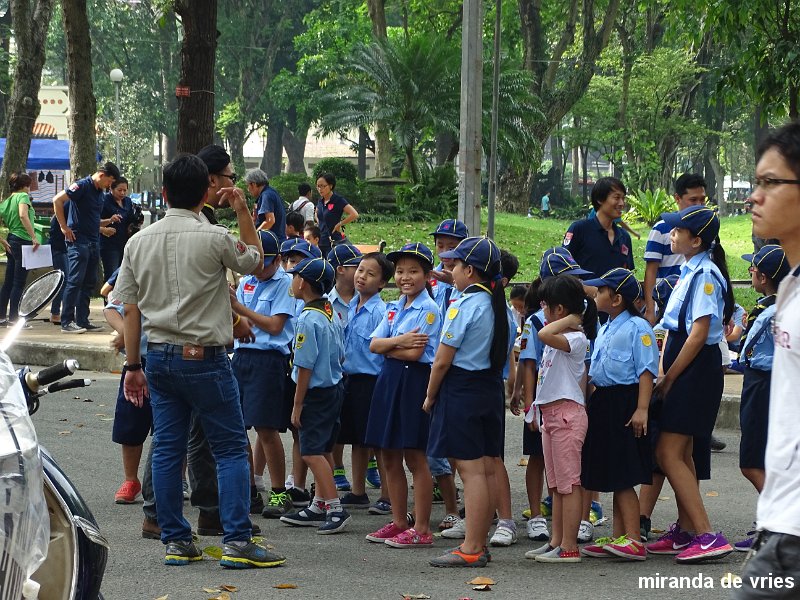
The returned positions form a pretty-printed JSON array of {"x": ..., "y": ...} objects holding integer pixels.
[
  {"x": 561, "y": 374},
  {"x": 307, "y": 209},
  {"x": 779, "y": 503}
]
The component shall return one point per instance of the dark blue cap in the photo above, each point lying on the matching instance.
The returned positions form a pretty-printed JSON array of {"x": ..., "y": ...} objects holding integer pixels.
[
  {"x": 453, "y": 228},
  {"x": 701, "y": 221},
  {"x": 622, "y": 281},
  {"x": 417, "y": 249},
  {"x": 300, "y": 246},
  {"x": 317, "y": 270},
  {"x": 344, "y": 255},
  {"x": 771, "y": 261},
  {"x": 558, "y": 261},
  {"x": 479, "y": 252},
  {"x": 270, "y": 244},
  {"x": 663, "y": 288}
]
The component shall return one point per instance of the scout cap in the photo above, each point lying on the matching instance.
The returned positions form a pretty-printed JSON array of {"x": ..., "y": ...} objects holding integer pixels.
[
  {"x": 452, "y": 228},
  {"x": 479, "y": 252},
  {"x": 316, "y": 270},
  {"x": 271, "y": 245},
  {"x": 557, "y": 261},
  {"x": 663, "y": 288},
  {"x": 344, "y": 255},
  {"x": 621, "y": 281},
  {"x": 300, "y": 246},
  {"x": 701, "y": 221},
  {"x": 771, "y": 261},
  {"x": 416, "y": 249}
]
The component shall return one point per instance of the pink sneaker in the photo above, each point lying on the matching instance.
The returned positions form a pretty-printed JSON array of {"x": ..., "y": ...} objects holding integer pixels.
[
  {"x": 597, "y": 550},
  {"x": 410, "y": 539},
  {"x": 673, "y": 542},
  {"x": 384, "y": 533},
  {"x": 705, "y": 547},
  {"x": 624, "y": 547}
]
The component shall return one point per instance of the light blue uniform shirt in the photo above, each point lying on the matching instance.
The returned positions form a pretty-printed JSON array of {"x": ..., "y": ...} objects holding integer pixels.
[
  {"x": 340, "y": 307},
  {"x": 531, "y": 347},
  {"x": 269, "y": 298},
  {"x": 357, "y": 335},
  {"x": 758, "y": 348},
  {"x": 318, "y": 346},
  {"x": 624, "y": 349},
  {"x": 707, "y": 297},
  {"x": 443, "y": 293},
  {"x": 423, "y": 313}
]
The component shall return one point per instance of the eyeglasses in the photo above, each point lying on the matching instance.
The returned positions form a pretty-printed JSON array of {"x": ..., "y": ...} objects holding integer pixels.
[
  {"x": 766, "y": 183},
  {"x": 232, "y": 176},
  {"x": 323, "y": 186}
]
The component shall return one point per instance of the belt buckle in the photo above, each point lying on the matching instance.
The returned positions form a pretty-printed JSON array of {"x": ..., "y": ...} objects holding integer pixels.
[{"x": 192, "y": 352}]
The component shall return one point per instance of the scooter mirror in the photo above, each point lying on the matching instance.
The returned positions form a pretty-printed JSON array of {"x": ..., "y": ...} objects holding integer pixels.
[{"x": 40, "y": 293}]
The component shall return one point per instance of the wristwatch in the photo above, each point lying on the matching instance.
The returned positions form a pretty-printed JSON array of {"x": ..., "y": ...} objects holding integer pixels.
[{"x": 133, "y": 366}]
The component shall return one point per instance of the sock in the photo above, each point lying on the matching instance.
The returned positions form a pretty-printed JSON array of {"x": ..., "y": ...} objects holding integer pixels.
[
  {"x": 317, "y": 505},
  {"x": 333, "y": 505},
  {"x": 290, "y": 481},
  {"x": 253, "y": 491},
  {"x": 509, "y": 523},
  {"x": 238, "y": 543}
]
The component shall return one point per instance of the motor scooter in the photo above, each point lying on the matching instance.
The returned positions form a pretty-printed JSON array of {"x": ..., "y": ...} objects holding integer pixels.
[{"x": 52, "y": 547}]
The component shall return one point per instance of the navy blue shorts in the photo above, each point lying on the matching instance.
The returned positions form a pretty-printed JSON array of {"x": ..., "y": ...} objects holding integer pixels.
[
  {"x": 754, "y": 418},
  {"x": 261, "y": 375},
  {"x": 319, "y": 421},
  {"x": 132, "y": 424},
  {"x": 531, "y": 441},
  {"x": 468, "y": 417},
  {"x": 358, "y": 390}
]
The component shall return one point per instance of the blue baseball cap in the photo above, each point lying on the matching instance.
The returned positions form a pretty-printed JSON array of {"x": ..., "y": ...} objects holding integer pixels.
[
  {"x": 344, "y": 255},
  {"x": 621, "y": 280},
  {"x": 453, "y": 228},
  {"x": 417, "y": 249},
  {"x": 558, "y": 261},
  {"x": 771, "y": 261},
  {"x": 701, "y": 221},
  {"x": 479, "y": 252},
  {"x": 317, "y": 270},
  {"x": 300, "y": 246},
  {"x": 663, "y": 288},
  {"x": 270, "y": 244}
]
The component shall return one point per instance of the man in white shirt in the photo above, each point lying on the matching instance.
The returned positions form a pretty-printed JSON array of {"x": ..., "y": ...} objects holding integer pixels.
[
  {"x": 773, "y": 570},
  {"x": 304, "y": 204}
]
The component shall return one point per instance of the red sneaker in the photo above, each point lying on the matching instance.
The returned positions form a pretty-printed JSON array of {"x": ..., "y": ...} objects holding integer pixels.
[
  {"x": 128, "y": 492},
  {"x": 386, "y": 532}
]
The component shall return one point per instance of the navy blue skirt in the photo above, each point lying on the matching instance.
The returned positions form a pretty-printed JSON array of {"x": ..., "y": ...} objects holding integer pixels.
[
  {"x": 261, "y": 375},
  {"x": 754, "y": 418},
  {"x": 613, "y": 458},
  {"x": 396, "y": 419},
  {"x": 358, "y": 390},
  {"x": 468, "y": 417}
]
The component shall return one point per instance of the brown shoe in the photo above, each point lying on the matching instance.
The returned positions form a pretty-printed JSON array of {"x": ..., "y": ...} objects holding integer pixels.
[
  {"x": 209, "y": 524},
  {"x": 150, "y": 529}
]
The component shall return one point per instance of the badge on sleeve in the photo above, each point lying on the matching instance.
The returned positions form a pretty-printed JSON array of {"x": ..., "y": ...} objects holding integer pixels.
[
  {"x": 451, "y": 314},
  {"x": 448, "y": 335},
  {"x": 708, "y": 288},
  {"x": 74, "y": 187},
  {"x": 647, "y": 340},
  {"x": 430, "y": 318},
  {"x": 301, "y": 338},
  {"x": 624, "y": 249},
  {"x": 390, "y": 315},
  {"x": 567, "y": 238},
  {"x": 240, "y": 247}
]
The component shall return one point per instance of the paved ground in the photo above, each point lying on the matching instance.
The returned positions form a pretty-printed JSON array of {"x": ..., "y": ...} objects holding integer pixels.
[{"x": 346, "y": 565}]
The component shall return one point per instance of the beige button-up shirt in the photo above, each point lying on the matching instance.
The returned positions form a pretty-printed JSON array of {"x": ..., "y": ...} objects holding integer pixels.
[{"x": 174, "y": 270}]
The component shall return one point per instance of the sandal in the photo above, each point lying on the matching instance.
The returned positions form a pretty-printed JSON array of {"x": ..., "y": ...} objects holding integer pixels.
[{"x": 448, "y": 522}]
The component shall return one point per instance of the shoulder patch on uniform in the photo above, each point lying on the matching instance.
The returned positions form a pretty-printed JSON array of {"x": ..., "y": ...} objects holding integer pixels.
[
  {"x": 647, "y": 341},
  {"x": 452, "y": 313},
  {"x": 708, "y": 288},
  {"x": 390, "y": 315},
  {"x": 567, "y": 238},
  {"x": 240, "y": 247},
  {"x": 74, "y": 187},
  {"x": 300, "y": 340},
  {"x": 430, "y": 318},
  {"x": 448, "y": 335}
]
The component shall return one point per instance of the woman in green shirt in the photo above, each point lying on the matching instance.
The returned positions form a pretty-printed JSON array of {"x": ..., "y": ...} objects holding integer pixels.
[{"x": 17, "y": 213}]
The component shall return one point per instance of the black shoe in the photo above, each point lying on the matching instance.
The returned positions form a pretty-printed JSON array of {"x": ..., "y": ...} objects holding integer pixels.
[
  {"x": 300, "y": 498},
  {"x": 717, "y": 445},
  {"x": 209, "y": 524},
  {"x": 72, "y": 327},
  {"x": 249, "y": 556},
  {"x": 182, "y": 553},
  {"x": 351, "y": 500},
  {"x": 256, "y": 504},
  {"x": 644, "y": 528},
  {"x": 150, "y": 529},
  {"x": 254, "y": 529},
  {"x": 90, "y": 327}
]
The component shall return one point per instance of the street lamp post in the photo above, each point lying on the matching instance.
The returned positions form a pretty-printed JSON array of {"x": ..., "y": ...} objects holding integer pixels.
[{"x": 116, "y": 76}]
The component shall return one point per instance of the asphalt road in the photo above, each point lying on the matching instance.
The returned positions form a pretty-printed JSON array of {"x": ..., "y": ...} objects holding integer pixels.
[{"x": 345, "y": 565}]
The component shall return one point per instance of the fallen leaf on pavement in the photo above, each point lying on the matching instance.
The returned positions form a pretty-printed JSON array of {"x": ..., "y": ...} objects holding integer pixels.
[
  {"x": 213, "y": 551},
  {"x": 222, "y": 596},
  {"x": 712, "y": 494},
  {"x": 229, "y": 588},
  {"x": 482, "y": 588},
  {"x": 285, "y": 586},
  {"x": 88, "y": 400},
  {"x": 482, "y": 581},
  {"x": 416, "y": 597},
  {"x": 64, "y": 432},
  {"x": 62, "y": 420},
  {"x": 523, "y": 462},
  {"x": 209, "y": 590},
  {"x": 663, "y": 498},
  {"x": 163, "y": 597},
  {"x": 106, "y": 418}
]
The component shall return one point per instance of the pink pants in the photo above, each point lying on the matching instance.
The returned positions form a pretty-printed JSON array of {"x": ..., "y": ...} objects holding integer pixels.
[{"x": 564, "y": 427}]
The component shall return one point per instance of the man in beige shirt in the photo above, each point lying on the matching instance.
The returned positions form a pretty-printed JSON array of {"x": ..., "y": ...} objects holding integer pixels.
[{"x": 172, "y": 282}]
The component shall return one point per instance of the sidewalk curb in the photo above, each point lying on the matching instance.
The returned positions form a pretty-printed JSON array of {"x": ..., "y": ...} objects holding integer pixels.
[
  {"x": 728, "y": 415},
  {"x": 90, "y": 357}
]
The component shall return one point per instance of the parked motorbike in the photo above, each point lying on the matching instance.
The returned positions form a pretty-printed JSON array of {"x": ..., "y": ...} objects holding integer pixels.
[{"x": 52, "y": 546}]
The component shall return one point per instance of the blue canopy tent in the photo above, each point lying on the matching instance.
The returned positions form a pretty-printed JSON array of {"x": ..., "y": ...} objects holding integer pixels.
[{"x": 45, "y": 155}]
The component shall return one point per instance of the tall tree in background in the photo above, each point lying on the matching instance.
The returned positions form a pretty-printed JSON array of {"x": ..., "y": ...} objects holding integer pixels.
[
  {"x": 198, "y": 55},
  {"x": 23, "y": 107},
  {"x": 5, "y": 64},
  {"x": 83, "y": 105},
  {"x": 383, "y": 145}
]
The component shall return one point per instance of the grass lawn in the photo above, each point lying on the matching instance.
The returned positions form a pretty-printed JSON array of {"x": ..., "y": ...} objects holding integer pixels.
[{"x": 529, "y": 238}]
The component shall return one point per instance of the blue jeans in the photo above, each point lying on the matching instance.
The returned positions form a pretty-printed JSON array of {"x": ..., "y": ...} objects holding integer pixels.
[
  {"x": 111, "y": 257},
  {"x": 81, "y": 282},
  {"x": 16, "y": 276},
  {"x": 61, "y": 263},
  {"x": 178, "y": 387}
]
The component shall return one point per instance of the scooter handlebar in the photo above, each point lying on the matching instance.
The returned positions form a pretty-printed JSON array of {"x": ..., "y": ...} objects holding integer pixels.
[
  {"x": 68, "y": 385},
  {"x": 54, "y": 373}
]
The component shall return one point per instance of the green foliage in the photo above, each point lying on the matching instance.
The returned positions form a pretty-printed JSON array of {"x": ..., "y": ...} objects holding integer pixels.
[
  {"x": 286, "y": 185},
  {"x": 649, "y": 205},
  {"x": 435, "y": 196},
  {"x": 341, "y": 168}
]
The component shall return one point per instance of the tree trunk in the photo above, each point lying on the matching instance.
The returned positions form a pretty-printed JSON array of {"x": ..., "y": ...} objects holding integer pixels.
[
  {"x": 5, "y": 65},
  {"x": 23, "y": 107},
  {"x": 234, "y": 135},
  {"x": 383, "y": 144},
  {"x": 514, "y": 190},
  {"x": 272, "y": 163},
  {"x": 198, "y": 55},
  {"x": 295, "y": 146},
  {"x": 166, "y": 35},
  {"x": 377, "y": 15},
  {"x": 446, "y": 148},
  {"x": 83, "y": 106},
  {"x": 362, "y": 153},
  {"x": 760, "y": 125}
]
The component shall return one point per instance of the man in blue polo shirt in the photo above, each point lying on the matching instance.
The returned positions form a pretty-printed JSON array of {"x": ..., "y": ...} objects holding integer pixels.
[
  {"x": 271, "y": 212},
  {"x": 598, "y": 244},
  {"x": 81, "y": 229}
]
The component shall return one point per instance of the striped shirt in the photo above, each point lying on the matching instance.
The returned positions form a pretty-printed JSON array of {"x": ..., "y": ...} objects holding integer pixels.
[{"x": 658, "y": 250}]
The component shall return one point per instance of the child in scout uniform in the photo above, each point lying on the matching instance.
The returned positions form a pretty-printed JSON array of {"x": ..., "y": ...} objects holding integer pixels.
[
  {"x": 465, "y": 391},
  {"x": 317, "y": 373},
  {"x": 260, "y": 366},
  {"x": 361, "y": 368},
  {"x": 616, "y": 453},
  {"x": 407, "y": 338},
  {"x": 768, "y": 267}
]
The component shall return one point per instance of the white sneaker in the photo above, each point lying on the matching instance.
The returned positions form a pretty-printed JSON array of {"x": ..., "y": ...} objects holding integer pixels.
[
  {"x": 585, "y": 532},
  {"x": 537, "y": 529},
  {"x": 457, "y": 531},
  {"x": 503, "y": 536},
  {"x": 540, "y": 550},
  {"x": 259, "y": 481}
]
